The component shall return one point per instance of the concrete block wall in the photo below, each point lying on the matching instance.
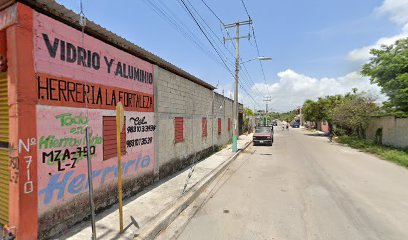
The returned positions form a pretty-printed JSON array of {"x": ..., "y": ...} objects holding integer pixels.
[
  {"x": 222, "y": 109},
  {"x": 394, "y": 130},
  {"x": 180, "y": 97}
]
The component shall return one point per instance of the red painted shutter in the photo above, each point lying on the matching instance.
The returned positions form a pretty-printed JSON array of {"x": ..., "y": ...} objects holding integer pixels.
[
  {"x": 204, "y": 126},
  {"x": 109, "y": 138},
  {"x": 219, "y": 126},
  {"x": 178, "y": 129}
]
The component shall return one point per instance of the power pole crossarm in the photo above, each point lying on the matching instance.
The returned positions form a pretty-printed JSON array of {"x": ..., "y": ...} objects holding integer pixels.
[
  {"x": 231, "y": 25},
  {"x": 227, "y": 39}
]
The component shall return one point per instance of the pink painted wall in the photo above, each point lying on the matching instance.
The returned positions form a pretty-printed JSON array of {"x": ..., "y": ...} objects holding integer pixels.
[
  {"x": 61, "y": 131},
  {"x": 61, "y": 116},
  {"x": 55, "y": 30},
  {"x": 323, "y": 126}
]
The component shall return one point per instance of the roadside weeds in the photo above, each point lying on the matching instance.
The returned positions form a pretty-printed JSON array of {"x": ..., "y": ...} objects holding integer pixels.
[{"x": 391, "y": 154}]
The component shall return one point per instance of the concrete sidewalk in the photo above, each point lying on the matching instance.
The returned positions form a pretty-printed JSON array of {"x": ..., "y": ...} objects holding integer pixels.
[{"x": 153, "y": 209}]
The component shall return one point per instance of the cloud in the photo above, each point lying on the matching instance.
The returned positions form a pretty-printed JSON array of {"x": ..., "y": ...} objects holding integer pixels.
[
  {"x": 293, "y": 89},
  {"x": 363, "y": 54},
  {"x": 397, "y": 10}
]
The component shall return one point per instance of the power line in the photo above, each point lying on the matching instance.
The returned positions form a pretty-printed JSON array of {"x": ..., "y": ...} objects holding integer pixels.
[
  {"x": 202, "y": 31},
  {"x": 249, "y": 95},
  {"x": 176, "y": 23},
  {"x": 246, "y": 10},
  {"x": 214, "y": 47},
  {"x": 172, "y": 18},
  {"x": 211, "y": 30},
  {"x": 212, "y": 12},
  {"x": 246, "y": 77},
  {"x": 257, "y": 47},
  {"x": 246, "y": 73},
  {"x": 219, "y": 19}
]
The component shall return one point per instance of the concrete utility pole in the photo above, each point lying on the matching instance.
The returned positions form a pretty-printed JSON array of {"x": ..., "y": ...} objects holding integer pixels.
[
  {"x": 266, "y": 100},
  {"x": 235, "y": 110}
]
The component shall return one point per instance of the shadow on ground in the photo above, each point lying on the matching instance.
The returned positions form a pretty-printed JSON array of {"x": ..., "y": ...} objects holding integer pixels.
[{"x": 315, "y": 135}]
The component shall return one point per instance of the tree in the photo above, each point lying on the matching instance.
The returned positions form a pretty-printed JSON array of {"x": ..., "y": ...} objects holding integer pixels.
[
  {"x": 353, "y": 113},
  {"x": 328, "y": 104},
  {"x": 311, "y": 111},
  {"x": 248, "y": 114},
  {"x": 350, "y": 112},
  {"x": 273, "y": 115},
  {"x": 288, "y": 116},
  {"x": 389, "y": 69},
  {"x": 321, "y": 109}
]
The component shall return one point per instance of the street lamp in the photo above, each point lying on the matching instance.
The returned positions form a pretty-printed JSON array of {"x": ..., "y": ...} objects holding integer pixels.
[
  {"x": 235, "y": 132},
  {"x": 258, "y": 58}
]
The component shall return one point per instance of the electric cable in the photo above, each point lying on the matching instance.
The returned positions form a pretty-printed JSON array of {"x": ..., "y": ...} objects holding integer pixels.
[
  {"x": 192, "y": 15},
  {"x": 257, "y": 47},
  {"x": 201, "y": 29},
  {"x": 179, "y": 26}
]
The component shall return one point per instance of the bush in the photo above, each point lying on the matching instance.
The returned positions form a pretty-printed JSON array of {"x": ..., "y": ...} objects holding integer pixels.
[{"x": 340, "y": 131}]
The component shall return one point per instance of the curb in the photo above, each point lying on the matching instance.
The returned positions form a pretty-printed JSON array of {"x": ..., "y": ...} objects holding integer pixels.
[{"x": 167, "y": 216}]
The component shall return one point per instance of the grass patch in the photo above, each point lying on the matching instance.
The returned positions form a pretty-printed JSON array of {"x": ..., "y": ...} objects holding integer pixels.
[
  {"x": 395, "y": 155},
  {"x": 310, "y": 129}
]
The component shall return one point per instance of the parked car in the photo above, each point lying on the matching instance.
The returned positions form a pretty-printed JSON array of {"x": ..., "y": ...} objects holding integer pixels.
[
  {"x": 263, "y": 135},
  {"x": 295, "y": 124},
  {"x": 275, "y": 123}
]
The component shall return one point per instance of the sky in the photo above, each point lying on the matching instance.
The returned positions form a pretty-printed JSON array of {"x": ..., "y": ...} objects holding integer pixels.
[{"x": 317, "y": 47}]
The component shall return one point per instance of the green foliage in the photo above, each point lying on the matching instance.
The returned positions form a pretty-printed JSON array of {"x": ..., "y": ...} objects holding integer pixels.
[
  {"x": 311, "y": 111},
  {"x": 274, "y": 115},
  {"x": 350, "y": 112},
  {"x": 248, "y": 112},
  {"x": 288, "y": 116},
  {"x": 389, "y": 69},
  {"x": 397, "y": 114},
  {"x": 398, "y": 156},
  {"x": 322, "y": 109},
  {"x": 353, "y": 113},
  {"x": 340, "y": 131}
]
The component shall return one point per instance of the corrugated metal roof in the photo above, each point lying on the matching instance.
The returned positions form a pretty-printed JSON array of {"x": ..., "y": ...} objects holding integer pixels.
[{"x": 61, "y": 13}]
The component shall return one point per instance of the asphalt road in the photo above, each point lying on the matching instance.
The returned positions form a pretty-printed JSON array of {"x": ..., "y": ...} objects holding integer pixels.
[{"x": 303, "y": 187}]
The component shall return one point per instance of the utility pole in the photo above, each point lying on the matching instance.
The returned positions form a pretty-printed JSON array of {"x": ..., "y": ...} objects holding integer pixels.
[
  {"x": 266, "y": 100},
  {"x": 235, "y": 110}
]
